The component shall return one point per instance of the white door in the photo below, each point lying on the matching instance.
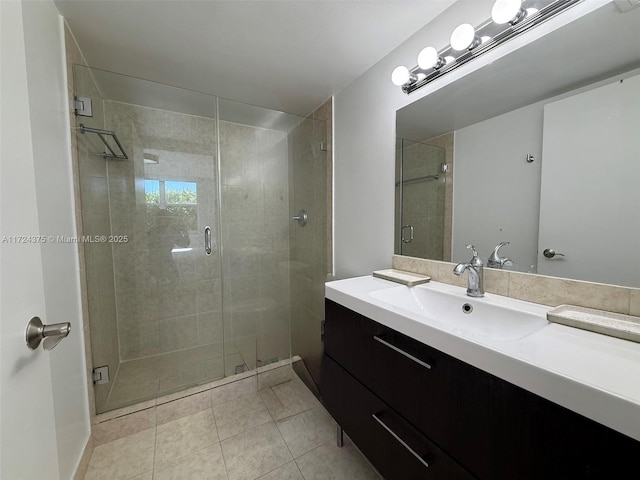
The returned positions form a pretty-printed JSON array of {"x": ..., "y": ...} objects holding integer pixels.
[
  {"x": 589, "y": 206},
  {"x": 28, "y": 437}
]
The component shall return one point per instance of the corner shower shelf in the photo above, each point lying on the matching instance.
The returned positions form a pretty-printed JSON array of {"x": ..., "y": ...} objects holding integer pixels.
[{"x": 102, "y": 133}]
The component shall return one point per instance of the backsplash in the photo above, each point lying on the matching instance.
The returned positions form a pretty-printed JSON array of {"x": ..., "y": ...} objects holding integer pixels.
[{"x": 533, "y": 288}]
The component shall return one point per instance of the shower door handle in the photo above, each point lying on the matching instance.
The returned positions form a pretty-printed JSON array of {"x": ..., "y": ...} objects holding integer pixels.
[
  {"x": 404, "y": 239},
  {"x": 207, "y": 240}
]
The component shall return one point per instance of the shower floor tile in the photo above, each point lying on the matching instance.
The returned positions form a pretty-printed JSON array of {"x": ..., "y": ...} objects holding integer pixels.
[
  {"x": 147, "y": 378},
  {"x": 293, "y": 439}
]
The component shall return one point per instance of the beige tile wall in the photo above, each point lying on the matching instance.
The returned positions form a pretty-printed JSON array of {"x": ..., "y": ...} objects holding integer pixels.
[{"x": 533, "y": 288}]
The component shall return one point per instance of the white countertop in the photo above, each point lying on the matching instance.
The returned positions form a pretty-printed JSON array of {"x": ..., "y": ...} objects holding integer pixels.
[{"x": 592, "y": 374}]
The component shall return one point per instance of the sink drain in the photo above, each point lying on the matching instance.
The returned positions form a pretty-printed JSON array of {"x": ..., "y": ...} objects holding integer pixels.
[{"x": 467, "y": 308}]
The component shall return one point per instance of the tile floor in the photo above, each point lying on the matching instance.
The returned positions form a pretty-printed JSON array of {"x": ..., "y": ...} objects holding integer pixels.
[{"x": 233, "y": 432}]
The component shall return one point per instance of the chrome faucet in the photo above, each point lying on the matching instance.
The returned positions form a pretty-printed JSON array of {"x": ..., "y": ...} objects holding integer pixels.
[
  {"x": 496, "y": 261},
  {"x": 474, "y": 268}
]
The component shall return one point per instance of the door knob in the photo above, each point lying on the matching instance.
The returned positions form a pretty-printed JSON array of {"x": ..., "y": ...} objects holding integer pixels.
[
  {"x": 550, "y": 253},
  {"x": 301, "y": 218},
  {"x": 51, "y": 334}
]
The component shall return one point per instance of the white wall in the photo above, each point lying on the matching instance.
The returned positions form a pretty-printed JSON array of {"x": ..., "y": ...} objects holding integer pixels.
[
  {"x": 47, "y": 86},
  {"x": 496, "y": 192},
  {"x": 364, "y": 140}
]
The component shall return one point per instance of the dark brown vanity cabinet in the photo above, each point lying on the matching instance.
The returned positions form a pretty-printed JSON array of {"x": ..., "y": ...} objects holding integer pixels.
[{"x": 416, "y": 412}]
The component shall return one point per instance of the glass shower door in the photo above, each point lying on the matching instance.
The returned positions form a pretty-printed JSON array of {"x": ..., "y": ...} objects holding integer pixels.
[
  {"x": 153, "y": 294},
  {"x": 255, "y": 149}
]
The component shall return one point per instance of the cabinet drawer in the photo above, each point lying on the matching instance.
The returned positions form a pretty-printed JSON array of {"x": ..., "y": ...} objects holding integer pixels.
[
  {"x": 393, "y": 446},
  {"x": 395, "y": 367},
  {"x": 491, "y": 428}
]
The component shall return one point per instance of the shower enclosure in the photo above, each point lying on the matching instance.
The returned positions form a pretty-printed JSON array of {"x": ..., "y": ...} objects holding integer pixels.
[
  {"x": 187, "y": 241},
  {"x": 420, "y": 200}
]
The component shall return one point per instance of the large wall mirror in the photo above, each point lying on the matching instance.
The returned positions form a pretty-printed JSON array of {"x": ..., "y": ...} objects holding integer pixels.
[{"x": 540, "y": 149}]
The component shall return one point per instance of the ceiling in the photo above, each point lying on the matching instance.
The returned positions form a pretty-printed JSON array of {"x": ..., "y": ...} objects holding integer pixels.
[{"x": 284, "y": 55}]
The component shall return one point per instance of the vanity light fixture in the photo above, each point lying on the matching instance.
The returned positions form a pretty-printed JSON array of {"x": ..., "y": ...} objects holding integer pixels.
[
  {"x": 464, "y": 37},
  {"x": 507, "y": 11},
  {"x": 509, "y": 18},
  {"x": 401, "y": 76},
  {"x": 429, "y": 58}
]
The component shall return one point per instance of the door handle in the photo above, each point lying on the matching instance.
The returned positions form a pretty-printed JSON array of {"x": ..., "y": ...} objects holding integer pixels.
[
  {"x": 51, "y": 334},
  {"x": 550, "y": 253},
  {"x": 207, "y": 240}
]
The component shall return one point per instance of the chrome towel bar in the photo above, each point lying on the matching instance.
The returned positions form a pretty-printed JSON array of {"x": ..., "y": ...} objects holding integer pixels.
[{"x": 102, "y": 133}]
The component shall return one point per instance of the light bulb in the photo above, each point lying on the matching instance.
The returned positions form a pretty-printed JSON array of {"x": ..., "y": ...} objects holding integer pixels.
[
  {"x": 428, "y": 58},
  {"x": 400, "y": 75},
  {"x": 504, "y": 11},
  {"x": 463, "y": 37}
]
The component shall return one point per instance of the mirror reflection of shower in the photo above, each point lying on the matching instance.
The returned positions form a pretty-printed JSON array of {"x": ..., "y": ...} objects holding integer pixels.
[{"x": 421, "y": 170}]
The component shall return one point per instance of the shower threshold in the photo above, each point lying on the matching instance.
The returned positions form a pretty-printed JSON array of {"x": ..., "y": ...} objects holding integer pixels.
[{"x": 266, "y": 375}]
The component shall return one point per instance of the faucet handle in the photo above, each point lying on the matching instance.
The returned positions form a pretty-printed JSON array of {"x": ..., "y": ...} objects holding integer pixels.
[
  {"x": 495, "y": 255},
  {"x": 475, "y": 261},
  {"x": 495, "y": 260},
  {"x": 473, "y": 249}
]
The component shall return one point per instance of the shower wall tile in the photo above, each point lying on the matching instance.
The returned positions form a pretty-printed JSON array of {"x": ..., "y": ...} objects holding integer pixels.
[
  {"x": 210, "y": 329},
  {"x": 138, "y": 339},
  {"x": 178, "y": 333},
  {"x": 245, "y": 324},
  {"x": 208, "y": 295}
]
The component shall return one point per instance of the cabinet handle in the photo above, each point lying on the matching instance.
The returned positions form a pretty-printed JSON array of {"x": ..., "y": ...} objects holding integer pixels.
[
  {"x": 400, "y": 441},
  {"x": 401, "y": 352}
]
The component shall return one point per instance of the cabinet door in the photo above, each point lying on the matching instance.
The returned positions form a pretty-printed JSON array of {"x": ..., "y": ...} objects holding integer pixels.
[
  {"x": 395, "y": 367},
  {"x": 392, "y": 445},
  {"x": 489, "y": 426}
]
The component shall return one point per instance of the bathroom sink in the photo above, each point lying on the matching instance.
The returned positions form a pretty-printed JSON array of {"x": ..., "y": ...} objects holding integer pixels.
[{"x": 492, "y": 316}]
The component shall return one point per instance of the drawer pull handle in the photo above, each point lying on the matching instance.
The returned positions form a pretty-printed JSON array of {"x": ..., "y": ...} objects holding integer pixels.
[
  {"x": 402, "y": 352},
  {"x": 400, "y": 441}
]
